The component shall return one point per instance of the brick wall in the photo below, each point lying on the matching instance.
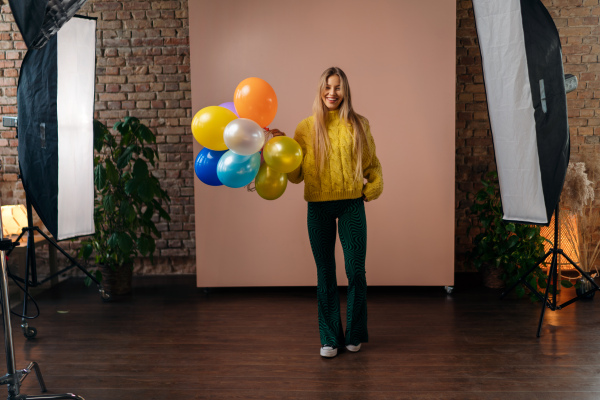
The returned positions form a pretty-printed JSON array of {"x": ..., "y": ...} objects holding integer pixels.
[
  {"x": 143, "y": 70},
  {"x": 578, "y": 26}
]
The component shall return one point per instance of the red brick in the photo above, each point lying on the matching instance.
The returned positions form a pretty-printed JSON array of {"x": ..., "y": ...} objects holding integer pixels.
[
  {"x": 107, "y": 6},
  {"x": 141, "y": 96},
  {"x": 136, "y": 5},
  {"x": 111, "y": 96},
  {"x": 141, "y": 78},
  {"x": 142, "y": 87},
  {"x": 115, "y": 42}
]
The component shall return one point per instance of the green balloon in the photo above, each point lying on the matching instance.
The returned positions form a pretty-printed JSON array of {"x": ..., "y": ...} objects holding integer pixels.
[{"x": 270, "y": 184}]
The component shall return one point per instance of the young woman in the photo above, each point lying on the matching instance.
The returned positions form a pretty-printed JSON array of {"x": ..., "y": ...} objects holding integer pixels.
[{"x": 340, "y": 172}]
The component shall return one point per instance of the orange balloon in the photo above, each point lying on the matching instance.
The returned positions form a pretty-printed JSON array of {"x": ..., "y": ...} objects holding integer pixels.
[{"x": 255, "y": 99}]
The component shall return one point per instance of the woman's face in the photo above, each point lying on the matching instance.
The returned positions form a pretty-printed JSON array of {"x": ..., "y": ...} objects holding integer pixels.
[{"x": 332, "y": 94}]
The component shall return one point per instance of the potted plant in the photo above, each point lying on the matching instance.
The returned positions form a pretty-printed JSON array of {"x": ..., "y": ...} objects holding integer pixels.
[
  {"x": 504, "y": 251},
  {"x": 127, "y": 198}
]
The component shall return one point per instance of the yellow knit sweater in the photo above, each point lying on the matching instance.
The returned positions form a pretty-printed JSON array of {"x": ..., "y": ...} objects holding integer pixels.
[{"x": 336, "y": 180}]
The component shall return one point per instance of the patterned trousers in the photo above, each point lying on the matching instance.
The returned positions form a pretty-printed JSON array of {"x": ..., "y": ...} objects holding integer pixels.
[{"x": 352, "y": 223}]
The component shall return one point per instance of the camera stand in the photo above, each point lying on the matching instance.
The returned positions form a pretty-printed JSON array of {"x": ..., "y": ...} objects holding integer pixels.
[
  {"x": 31, "y": 267},
  {"x": 14, "y": 377},
  {"x": 552, "y": 278}
]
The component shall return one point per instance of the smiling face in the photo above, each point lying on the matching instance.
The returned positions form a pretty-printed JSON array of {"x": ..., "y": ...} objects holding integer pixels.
[{"x": 332, "y": 95}]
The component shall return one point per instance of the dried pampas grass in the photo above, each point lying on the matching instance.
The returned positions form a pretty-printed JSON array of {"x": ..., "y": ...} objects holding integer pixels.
[
  {"x": 583, "y": 222},
  {"x": 578, "y": 190}
]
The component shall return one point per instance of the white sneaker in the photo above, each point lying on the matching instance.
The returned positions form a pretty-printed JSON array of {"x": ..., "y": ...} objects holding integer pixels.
[
  {"x": 328, "y": 351},
  {"x": 352, "y": 348}
]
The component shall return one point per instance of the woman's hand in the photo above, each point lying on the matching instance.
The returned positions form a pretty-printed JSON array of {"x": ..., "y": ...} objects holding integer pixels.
[{"x": 276, "y": 132}]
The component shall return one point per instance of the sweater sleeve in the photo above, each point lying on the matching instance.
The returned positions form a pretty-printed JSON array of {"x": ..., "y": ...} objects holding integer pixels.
[
  {"x": 373, "y": 172},
  {"x": 297, "y": 175}
]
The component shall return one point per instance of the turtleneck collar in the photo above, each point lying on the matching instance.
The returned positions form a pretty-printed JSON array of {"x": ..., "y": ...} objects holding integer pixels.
[{"x": 333, "y": 115}]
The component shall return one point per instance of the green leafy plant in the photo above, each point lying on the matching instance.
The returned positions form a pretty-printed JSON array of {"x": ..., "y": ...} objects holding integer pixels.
[
  {"x": 127, "y": 195},
  {"x": 512, "y": 248}
]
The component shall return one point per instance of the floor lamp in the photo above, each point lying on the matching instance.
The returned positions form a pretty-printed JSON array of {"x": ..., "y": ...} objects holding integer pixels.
[{"x": 14, "y": 377}]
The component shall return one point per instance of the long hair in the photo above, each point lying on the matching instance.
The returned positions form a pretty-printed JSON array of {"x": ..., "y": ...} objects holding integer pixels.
[{"x": 347, "y": 114}]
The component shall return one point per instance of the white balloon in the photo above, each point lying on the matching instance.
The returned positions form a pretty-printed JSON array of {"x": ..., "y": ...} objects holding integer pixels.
[{"x": 244, "y": 136}]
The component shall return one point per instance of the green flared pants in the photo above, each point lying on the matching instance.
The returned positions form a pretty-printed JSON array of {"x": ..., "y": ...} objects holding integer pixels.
[{"x": 352, "y": 223}]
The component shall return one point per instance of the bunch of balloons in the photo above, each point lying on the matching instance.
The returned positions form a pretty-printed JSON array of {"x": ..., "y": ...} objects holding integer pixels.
[{"x": 233, "y": 137}]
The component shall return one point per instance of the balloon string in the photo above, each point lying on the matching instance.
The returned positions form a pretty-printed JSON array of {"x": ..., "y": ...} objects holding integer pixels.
[
  {"x": 251, "y": 187},
  {"x": 268, "y": 135}
]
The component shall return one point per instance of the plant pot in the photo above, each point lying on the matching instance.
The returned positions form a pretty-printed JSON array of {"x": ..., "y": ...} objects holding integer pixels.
[
  {"x": 117, "y": 280},
  {"x": 585, "y": 286},
  {"x": 492, "y": 277}
]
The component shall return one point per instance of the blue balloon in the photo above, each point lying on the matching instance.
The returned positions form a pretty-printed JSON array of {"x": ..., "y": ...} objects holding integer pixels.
[
  {"x": 206, "y": 166},
  {"x": 235, "y": 170}
]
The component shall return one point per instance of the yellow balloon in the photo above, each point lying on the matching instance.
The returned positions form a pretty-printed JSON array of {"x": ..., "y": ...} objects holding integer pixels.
[
  {"x": 283, "y": 154},
  {"x": 269, "y": 183},
  {"x": 208, "y": 126}
]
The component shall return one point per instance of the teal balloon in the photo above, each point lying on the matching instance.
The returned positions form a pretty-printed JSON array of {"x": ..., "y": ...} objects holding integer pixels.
[{"x": 235, "y": 170}]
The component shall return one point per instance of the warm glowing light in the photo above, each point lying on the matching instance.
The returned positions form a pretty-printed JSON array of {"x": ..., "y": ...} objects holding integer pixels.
[
  {"x": 569, "y": 244},
  {"x": 14, "y": 219}
]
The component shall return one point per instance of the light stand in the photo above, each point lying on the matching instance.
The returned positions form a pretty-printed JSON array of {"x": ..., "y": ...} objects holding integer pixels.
[
  {"x": 14, "y": 377},
  {"x": 31, "y": 267},
  {"x": 30, "y": 259},
  {"x": 552, "y": 278}
]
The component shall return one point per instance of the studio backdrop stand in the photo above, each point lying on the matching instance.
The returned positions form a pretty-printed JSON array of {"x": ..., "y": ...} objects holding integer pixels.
[
  {"x": 30, "y": 279},
  {"x": 14, "y": 377},
  {"x": 552, "y": 278}
]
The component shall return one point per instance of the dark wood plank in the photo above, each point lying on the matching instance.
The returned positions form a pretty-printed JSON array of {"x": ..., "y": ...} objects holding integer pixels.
[{"x": 171, "y": 340}]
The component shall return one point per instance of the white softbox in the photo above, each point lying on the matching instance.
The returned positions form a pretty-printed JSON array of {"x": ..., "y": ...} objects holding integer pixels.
[
  {"x": 527, "y": 105},
  {"x": 39, "y": 20},
  {"x": 55, "y": 118}
]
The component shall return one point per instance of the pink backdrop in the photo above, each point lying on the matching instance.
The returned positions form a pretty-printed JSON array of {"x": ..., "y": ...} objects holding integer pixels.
[{"x": 400, "y": 60}]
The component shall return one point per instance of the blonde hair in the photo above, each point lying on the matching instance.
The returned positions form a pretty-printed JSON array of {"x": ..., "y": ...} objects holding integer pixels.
[{"x": 347, "y": 114}]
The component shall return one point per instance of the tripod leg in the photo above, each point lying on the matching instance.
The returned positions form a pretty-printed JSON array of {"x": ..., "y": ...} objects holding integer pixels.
[
  {"x": 35, "y": 367},
  {"x": 530, "y": 270},
  {"x": 553, "y": 266},
  {"x": 553, "y": 288},
  {"x": 586, "y": 276},
  {"x": 64, "y": 396},
  {"x": 68, "y": 256},
  {"x": 582, "y": 272},
  {"x": 30, "y": 268},
  {"x": 13, "y": 386}
]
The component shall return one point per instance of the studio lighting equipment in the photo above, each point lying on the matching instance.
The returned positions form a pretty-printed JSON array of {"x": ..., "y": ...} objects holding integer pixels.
[
  {"x": 525, "y": 87},
  {"x": 39, "y": 20},
  {"x": 526, "y": 94},
  {"x": 55, "y": 99}
]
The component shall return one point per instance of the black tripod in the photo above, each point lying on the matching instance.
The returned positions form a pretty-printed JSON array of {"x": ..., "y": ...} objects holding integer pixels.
[
  {"x": 553, "y": 278},
  {"x": 31, "y": 267},
  {"x": 14, "y": 377}
]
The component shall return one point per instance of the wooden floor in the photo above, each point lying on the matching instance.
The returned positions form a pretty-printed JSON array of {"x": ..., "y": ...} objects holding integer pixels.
[{"x": 171, "y": 340}]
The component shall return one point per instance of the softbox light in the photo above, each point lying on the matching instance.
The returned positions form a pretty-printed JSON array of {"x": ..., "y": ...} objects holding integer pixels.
[
  {"x": 55, "y": 99},
  {"x": 39, "y": 20},
  {"x": 527, "y": 105}
]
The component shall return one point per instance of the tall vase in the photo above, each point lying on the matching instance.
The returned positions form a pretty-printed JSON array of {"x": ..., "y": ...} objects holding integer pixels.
[
  {"x": 492, "y": 277},
  {"x": 585, "y": 286},
  {"x": 117, "y": 280}
]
